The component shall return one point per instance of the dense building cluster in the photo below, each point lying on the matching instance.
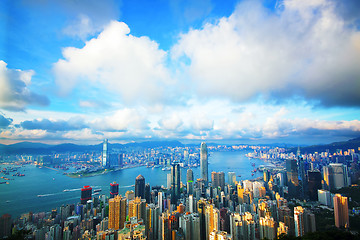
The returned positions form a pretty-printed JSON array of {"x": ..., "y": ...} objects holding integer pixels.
[{"x": 264, "y": 208}]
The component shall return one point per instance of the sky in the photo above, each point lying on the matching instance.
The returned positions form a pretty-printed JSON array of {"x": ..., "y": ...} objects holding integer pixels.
[{"x": 250, "y": 71}]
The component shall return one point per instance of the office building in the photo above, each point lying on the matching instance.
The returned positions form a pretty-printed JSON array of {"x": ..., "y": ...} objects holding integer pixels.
[
  {"x": 335, "y": 176},
  {"x": 325, "y": 197},
  {"x": 86, "y": 194},
  {"x": 314, "y": 184},
  {"x": 292, "y": 177},
  {"x": 341, "y": 211},
  {"x": 140, "y": 187},
  {"x": 232, "y": 178},
  {"x": 114, "y": 189},
  {"x": 218, "y": 180},
  {"x": 105, "y": 155},
  {"x": 204, "y": 163},
  {"x": 175, "y": 183},
  {"x": 190, "y": 181}
]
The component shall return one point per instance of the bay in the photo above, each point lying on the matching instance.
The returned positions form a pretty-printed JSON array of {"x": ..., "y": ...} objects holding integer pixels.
[{"x": 42, "y": 189}]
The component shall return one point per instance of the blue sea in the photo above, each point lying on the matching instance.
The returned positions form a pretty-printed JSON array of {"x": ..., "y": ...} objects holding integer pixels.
[{"x": 42, "y": 189}]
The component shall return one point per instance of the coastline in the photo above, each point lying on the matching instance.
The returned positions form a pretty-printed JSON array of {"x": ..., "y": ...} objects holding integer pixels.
[{"x": 99, "y": 172}]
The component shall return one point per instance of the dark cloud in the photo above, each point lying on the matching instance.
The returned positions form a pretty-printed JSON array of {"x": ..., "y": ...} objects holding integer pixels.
[
  {"x": 54, "y": 126},
  {"x": 4, "y": 122},
  {"x": 15, "y": 94}
]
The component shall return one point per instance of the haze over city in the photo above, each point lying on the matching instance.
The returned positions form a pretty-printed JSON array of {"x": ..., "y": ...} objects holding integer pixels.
[{"x": 232, "y": 71}]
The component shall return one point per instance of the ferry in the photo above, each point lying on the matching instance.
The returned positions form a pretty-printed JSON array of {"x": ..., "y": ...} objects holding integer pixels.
[{"x": 97, "y": 190}]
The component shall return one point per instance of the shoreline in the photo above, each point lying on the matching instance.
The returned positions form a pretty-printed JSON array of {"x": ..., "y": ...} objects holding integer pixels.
[{"x": 100, "y": 172}]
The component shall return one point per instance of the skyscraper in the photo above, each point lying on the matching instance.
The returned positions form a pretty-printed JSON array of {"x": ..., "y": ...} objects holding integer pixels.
[
  {"x": 335, "y": 176},
  {"x": 86, "y": 194},
  {"x": 218, "y": 180},
  {"x": 105, "y": 155},
  {"x": 232, "y": 178},
  {"x": 117, "y": 212},
  {"x": 314, "y": 183},
  {"x": 140, "y": 187},
  {"x": 293, "y": 178},
  {"x": 175, "y": 183},
  {"x": 299, "y": 221},
  {"x": 190, "y": 181},
  {"x": 341, "y": 211},
  {"x": 114, "y": 189},
  {"x": 204, "y": 162}
]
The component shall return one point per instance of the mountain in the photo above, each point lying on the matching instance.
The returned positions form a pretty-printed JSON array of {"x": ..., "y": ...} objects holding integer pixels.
[
  {"x": 345, "y": 145},
  {"x": 41, "y": 148}
]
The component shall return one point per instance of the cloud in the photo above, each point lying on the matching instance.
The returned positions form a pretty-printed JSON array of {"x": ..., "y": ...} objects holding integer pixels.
[
  {"x": 15, "y": 94},
  {"x": 54, "y": 125},
  {"x": 123, "y": 120},
  {"x": 306, "y": 49},
  {"x": 81, "y": 18},
  {"x": 130, "y": 67},
  {"x": 4, "y": 121}
]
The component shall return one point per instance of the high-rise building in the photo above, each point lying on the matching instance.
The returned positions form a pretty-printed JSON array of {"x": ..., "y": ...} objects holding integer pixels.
[
  {"x": 190, "y": 181},
  {"x": 232, "y": 178},
  {"x": 86, "y": 194},
  {"x": 266, "y": 175},
  {"x": 314, "y": 184},
  {"x": 147, "y": 193},
  {"x": 140, "y": 187},
  {"x": 175, "y": 183},
  {"x": 137, "y": 208},
  {"x": 218, "y": 180},
  {"x": 114, "y": 189},
  {"x": 292, "y": 177},
  {"x": 201, "y": 204},
  {"x": 204, "y": 162},
  {"x": 267, "y": 228},
  {"x": 186, "y": 157},
  {"x": 341, "y": 211},
  {"x": 299, "y": 221},
  {"x": 302, "y": 178},
  {"x": 117, "y": 212},
  {"x": 324, "y": 197},
  {"x": 336, "y": 176},
  {"x": 105, "y": 155}
]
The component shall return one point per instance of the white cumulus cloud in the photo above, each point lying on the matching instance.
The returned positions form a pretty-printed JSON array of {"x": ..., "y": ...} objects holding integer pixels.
[{"x": 131, "y": 67}]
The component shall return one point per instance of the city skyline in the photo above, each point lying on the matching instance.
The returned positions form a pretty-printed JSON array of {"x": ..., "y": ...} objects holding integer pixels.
[{"x": 247, "y": 71}]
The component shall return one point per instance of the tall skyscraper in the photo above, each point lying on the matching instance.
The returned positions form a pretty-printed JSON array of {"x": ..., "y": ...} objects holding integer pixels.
[
  {"x": 175, "y": 183},
  {"x": 293, "y": 178},
  {"x": 86, "y": 194},
  {"x": 204, "y": 162},
  {"x": 232, "y": 178},
  {"x": 341, "y": 211},
  {"x": 117, "y": 212},
  {"x": 218, "y": 180},
  {"x": 105, "y": 155},
  {"x": 314, "y": 184},
  {"x": 190, "y": 181},
  {"x": 299, "y": 221},
  {"x": 302, "y": 177},
  {"x": 114, "y": 189},
  {"x": 335, "y": 176},
  {"x": 140, "y": 187}
]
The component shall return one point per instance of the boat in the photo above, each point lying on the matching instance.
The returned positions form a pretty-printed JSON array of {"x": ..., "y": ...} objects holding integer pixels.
[{"x": 97, "y": 190}]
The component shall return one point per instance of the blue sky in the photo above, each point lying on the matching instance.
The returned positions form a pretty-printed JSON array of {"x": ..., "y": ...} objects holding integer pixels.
[{"x": 233, "y": 71}]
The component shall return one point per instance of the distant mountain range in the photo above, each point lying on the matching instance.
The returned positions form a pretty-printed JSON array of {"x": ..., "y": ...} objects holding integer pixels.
[
  {"x": 345, "y": 145},
  {"x": 41, "y": 148}
]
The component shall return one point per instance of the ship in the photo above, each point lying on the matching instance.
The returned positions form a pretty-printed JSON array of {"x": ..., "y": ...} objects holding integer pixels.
[{"x": 97, "y": 190}]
